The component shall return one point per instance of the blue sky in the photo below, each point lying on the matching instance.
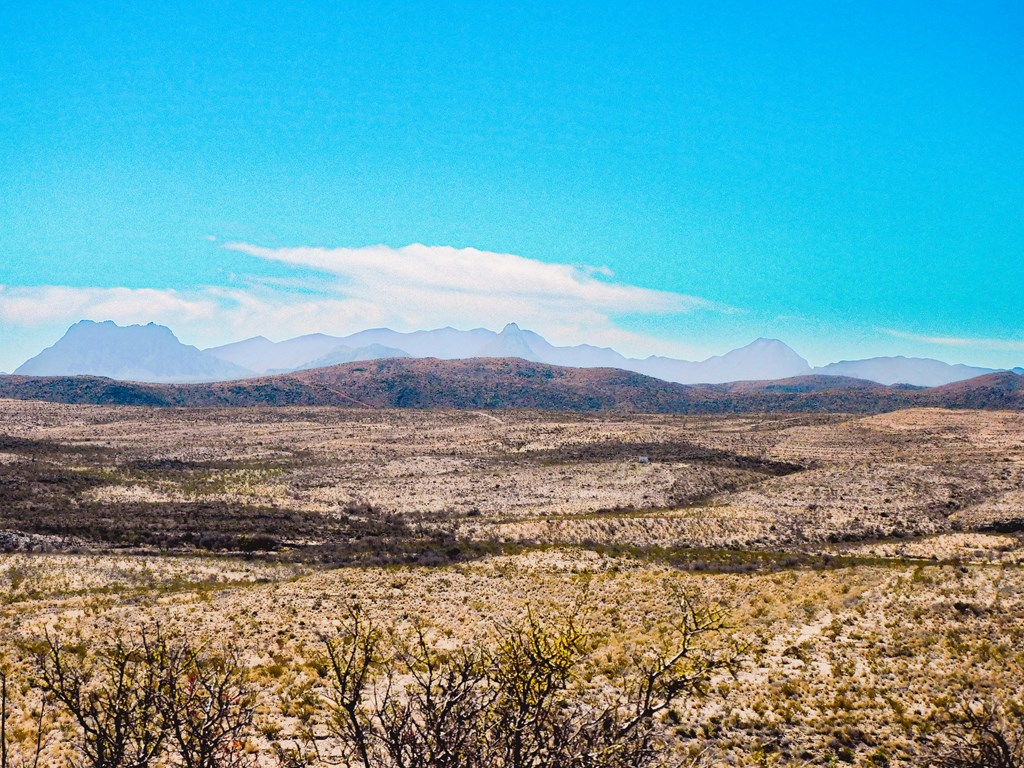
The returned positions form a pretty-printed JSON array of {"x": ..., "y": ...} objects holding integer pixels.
[{"x": 666, "y": 177}]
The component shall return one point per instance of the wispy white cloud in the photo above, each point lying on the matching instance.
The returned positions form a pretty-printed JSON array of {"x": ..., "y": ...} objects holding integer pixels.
[
  {"x": 1007, "y": 345},
  {"x": 342, "y": 290},
  {"x": 465, "y": 273},
  {"x": 203, "y": 313},
  {"x": 44, "y": 305}
]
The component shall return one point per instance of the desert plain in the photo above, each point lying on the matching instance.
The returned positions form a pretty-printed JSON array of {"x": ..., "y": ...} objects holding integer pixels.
[{"x": 871, "y": 567}]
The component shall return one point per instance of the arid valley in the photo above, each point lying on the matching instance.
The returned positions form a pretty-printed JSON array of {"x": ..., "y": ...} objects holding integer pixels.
[{"x": 869, "y": 569}]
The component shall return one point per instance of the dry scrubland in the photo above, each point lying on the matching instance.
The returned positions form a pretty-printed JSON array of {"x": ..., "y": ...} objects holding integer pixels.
[{"x": 874, "y": 565}]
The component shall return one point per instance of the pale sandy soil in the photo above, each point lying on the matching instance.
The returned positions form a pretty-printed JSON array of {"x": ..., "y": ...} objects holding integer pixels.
[{"x": 527, "y": 476}]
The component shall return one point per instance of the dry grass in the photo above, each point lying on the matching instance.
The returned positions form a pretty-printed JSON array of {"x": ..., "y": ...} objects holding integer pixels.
[{"x": 850, "y": 664}]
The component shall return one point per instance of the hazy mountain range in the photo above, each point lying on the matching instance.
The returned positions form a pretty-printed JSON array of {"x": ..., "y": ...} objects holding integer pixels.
[
  {"x": 152, "y": 353},
  {"x": 134, "y": 353}
]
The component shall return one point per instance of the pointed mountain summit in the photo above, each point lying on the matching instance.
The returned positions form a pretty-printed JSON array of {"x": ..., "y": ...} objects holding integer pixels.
[
  {"x": 130, "y": 353},
  {"x": 761, "y": 360},
  {"x": 511, "y": 342}
]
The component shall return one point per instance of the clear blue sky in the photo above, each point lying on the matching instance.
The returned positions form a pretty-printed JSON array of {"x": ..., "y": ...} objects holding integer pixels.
[{"x": 848, "y": 177}]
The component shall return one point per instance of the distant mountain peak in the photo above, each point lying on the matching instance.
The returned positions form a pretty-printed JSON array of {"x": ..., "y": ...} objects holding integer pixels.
[
  {"x": 148, "y": 352},
  {"x": 153, "y": 353},
  {"x": 764, "y": 342},
  {"x": 511, "y": 342},
  {"x": 900, "y": 369},
  {"x": 771, "y": 344},
  {"x": 110, "y": 324},
  {"x": 761, "y": 359}
]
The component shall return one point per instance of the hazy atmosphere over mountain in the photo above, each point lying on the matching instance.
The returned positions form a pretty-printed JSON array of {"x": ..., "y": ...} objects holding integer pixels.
[
  {"x": 134, "y": 353},
  {"x": 152, "y": 353}
]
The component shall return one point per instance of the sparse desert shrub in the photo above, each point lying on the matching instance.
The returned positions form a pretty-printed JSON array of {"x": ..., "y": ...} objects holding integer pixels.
[
  {"x": 111, "y": 693},
  {"x": 534, "y": 698},
  {"x": 137, "y": 701},
  {"x": 207, "y": 703},
  {"x": 982, "y": 735}
]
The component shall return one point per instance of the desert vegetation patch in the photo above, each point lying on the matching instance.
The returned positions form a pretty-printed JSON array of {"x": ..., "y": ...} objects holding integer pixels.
[{"x": 858, "y": 581}]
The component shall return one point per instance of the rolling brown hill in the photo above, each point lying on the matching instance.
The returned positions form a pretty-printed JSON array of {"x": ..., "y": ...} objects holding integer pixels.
[
  {"x": 493, "y": 383},
  {"x": 1003, "y": 391}
]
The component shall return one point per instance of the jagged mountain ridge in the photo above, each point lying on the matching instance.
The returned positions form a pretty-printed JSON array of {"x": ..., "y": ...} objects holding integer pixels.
[
  {"x": 760, "y": 360},
  {"x": 763, "y": 359},
  {"x": 152, "y": 353}
]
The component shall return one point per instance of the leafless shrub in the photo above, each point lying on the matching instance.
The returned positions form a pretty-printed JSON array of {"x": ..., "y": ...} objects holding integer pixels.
[
  {"x": 112, "y": 694},
  {"x": 207, "y": 704},
  {"x": 137, "y": 701},
  {"x": 983, "y": 734},
  {"x": 535, "y": 699}
]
